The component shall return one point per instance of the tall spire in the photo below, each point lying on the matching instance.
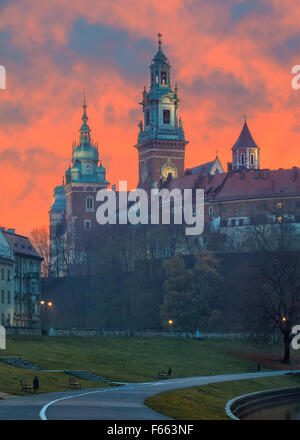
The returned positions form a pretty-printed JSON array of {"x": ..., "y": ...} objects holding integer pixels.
[
  {"x": 84, "y": 116},
  {"x": 85, "y": 138}
]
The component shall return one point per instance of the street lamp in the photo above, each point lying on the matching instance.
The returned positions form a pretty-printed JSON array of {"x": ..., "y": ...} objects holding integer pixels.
[
  {"x": 44, "y": 315},
  {"x": 283, "y": 319}
]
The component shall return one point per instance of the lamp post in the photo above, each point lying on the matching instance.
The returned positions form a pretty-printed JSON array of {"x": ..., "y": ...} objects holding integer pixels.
[
  {"x": 170, "y": 323},
  {"x": 45, "y": 305}
]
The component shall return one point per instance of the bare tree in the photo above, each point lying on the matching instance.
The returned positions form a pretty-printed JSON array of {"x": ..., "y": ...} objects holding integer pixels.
[
  {"x": 273, "y": 292},
  {"x": 40, "y": 239}
]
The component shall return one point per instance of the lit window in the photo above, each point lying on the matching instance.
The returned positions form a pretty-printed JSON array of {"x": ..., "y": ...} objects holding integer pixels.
[
  {"x": 279, "y": 205},
  {"x": 166, "y": 116},
  {"x": 279, "y": 219}
]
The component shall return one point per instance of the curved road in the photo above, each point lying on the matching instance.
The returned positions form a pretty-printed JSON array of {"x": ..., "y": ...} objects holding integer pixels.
[{"x": 112, "y": 403}]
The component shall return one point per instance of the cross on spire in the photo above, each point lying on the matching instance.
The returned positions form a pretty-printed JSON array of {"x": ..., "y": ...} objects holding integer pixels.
[{"x": 159, "y": 39}]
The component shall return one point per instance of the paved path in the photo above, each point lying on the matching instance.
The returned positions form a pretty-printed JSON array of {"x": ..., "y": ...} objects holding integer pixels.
[{"x": 111, "y": 403}]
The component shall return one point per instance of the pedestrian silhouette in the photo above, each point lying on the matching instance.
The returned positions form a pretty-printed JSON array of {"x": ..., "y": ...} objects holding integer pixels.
[{"x": 36, "y": 383}]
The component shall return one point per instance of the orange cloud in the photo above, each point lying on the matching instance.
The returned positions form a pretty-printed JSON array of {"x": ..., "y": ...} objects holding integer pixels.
[{"x": 229, "y": 58}]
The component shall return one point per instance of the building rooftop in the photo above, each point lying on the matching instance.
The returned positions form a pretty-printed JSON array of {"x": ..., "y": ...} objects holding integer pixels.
[{"x": 20, "y": 244}]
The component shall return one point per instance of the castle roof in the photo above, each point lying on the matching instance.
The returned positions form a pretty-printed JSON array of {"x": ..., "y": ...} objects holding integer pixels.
[{"x": 241, "y": 185}]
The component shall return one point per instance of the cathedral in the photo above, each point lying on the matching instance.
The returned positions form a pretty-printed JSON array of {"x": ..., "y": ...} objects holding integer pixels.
[{"x": 232, "y": 195}]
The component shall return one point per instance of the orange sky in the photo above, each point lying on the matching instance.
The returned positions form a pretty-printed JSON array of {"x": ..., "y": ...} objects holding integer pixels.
[{"x": 228, "y": 57}]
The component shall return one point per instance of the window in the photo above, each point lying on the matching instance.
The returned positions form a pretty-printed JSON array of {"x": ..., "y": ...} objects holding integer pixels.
[
  {"x": 147, "y": 121},
  {"x": 278, "y": 205},
  {"x": 241, "y": 208},
  {"x": 279, "y": 219},
  {"x": 210, "y": 210},
  {"x": 163, "y": 76},
  {"x": 166, "y": 116},
  {"x": 89, "y": 203},
  {"x": 252, "y": 159},
  {"x": 2, "y": 318},
  {"x": 2, "y": 295},
  {"x": 8, "y": 297},
  {"x": 8, "y": 275},
  {"x": 2, "y": 274},
  {"x": 241, "y": 221},
  {"x": 242, "y": 159},
  {"x": 87, "y": 225}
]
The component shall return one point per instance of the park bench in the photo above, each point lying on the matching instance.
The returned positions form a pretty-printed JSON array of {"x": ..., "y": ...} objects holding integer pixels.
[
  {"x": 255, "y": 367},
  {"x": 25, "y": 387},
  {"x": 163, "y": 374},
  {"x": 73, "y": 383}
]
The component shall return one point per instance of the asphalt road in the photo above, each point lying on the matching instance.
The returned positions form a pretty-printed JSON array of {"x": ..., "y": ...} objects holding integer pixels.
[{"x": 112, "y": 403}]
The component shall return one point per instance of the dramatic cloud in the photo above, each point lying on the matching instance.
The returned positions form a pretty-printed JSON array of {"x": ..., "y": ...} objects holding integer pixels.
[{"x": 229, "y": 57}]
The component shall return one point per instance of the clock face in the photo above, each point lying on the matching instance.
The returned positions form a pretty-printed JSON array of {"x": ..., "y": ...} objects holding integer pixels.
[
  {"x": 168, "y": 168},
  {"x": 145, "y": 173}
]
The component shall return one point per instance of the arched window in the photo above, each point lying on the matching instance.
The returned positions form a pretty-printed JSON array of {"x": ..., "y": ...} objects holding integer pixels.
[
  {"x": 242, "y": 159},
  {"x": 89, "y": 203},
  {"x": 252, "y": 159}
]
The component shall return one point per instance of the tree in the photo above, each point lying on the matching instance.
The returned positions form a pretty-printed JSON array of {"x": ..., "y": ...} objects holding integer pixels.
[
  {"x": 40, "y": 239},
  {"x": 192, "y": 296},
  {"x": 273, "y": 291}
]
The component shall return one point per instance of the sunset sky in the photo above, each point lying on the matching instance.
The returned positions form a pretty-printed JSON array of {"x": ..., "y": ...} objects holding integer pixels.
[{"x": 228, "y": 57}]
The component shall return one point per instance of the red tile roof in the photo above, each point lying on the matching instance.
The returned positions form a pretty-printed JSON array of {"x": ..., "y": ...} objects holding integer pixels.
[{"x": 247, "y": 184}]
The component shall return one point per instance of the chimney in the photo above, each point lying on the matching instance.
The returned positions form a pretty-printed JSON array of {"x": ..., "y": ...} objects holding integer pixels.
[{"x": 229, "y": 168}]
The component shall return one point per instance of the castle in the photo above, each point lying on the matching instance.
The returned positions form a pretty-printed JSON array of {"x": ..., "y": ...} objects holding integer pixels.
[{"x": 232, "y": 197}]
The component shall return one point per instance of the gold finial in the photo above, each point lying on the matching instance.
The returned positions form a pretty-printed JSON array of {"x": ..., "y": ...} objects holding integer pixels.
[{"x": 159, "y": 39}]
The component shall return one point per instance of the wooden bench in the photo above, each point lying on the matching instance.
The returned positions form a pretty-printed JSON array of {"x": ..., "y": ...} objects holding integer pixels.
[
  {"x": 256, "y": 367},
  {"x": 73, "y": 383},
  {"x": 163, "y": 375},
  {"x": 25, "y": 387}
]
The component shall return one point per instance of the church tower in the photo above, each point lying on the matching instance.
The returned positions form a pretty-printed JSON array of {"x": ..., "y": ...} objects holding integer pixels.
[
  {"x": 84, "y": 178},
  {"x": 245, "y": 152},
  {"x": 161, "y": 142}
]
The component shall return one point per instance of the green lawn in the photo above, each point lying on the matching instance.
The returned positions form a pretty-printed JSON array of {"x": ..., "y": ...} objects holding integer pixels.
[
  {"x": 208, "y": 402},
  {"x": 49, "y": 382},
  {"x": 129, "y": 359}
]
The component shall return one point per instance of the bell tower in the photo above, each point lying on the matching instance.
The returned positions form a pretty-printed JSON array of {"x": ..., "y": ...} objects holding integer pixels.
[
  {"x": 245, "y": 152},
  {"x": 161, "y": 141}
]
